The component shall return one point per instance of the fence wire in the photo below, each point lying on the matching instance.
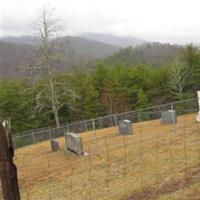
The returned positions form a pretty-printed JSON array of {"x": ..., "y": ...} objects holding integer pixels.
[
  {"x": 154, "y": 112},
  {"x": 157, "y": 159},
  {"x": 153, "y": 155}
]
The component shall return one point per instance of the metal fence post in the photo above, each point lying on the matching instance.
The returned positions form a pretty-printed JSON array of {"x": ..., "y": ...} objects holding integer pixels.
[
  {"x": 111, "y": 122},
  {"x": 95, "y": 136},
  {"x": 14, "y": 142},
  {"x": 115, "y": 119},
  {"x": 33, "y": 137},
  {"x": 173, "y": 118},
  {"x": 85, "y": 123},
  {"x": 68, "y": 128},
  {"x": 139, "y": 117},
  {"x": 101, "y": 124},
  {"x": 51, "y": 133},
  {"x": 94, "y": 128}
]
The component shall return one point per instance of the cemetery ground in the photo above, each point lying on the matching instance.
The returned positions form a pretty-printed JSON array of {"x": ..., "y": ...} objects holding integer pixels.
[{"x": 158, "y": 161}]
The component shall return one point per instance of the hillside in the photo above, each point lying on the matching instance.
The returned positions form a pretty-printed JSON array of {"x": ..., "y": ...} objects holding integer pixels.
[
  {"x": 120, "y": 41},
  {"x": 152, "y": 54},
  {"x": 19, "y": 52},
  {"x": 15, "y": 58},
  {"x": 153, "y": 162},
  {"x": 80, "y": 50}
]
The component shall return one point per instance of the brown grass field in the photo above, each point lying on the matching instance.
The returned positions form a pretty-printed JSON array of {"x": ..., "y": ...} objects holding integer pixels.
[{"x": 156, "y": 162}]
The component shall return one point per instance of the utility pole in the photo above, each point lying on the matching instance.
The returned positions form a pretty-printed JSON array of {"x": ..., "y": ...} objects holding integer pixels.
[{"x": 8, "y": 170}]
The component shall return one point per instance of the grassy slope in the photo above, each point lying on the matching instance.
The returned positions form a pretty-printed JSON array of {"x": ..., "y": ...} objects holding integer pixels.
[{"x": 144, "y": 165}]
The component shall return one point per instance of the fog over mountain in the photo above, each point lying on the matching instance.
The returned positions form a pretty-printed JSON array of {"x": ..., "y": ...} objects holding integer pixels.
[
  {"x": 19, "y": 52},
  {"x": 108, "y": 39},
  {"x": 172, "y": 21},
  {"x": 20, "y": 39},
  {"x": 120, "y": 41}
]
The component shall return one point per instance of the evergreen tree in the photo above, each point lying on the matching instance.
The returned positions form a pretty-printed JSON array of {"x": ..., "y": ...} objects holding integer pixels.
[{"x": 142, "y": 100}]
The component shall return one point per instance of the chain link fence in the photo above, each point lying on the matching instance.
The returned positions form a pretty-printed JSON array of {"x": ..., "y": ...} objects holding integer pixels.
[
  {"x": 157, "y": 160},
  {"x": 151, "y": 113}
]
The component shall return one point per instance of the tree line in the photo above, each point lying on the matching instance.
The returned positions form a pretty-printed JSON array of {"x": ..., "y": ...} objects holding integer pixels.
[
  {"x": 50, "y": 98},
  {"x": 106, "y": 90}
]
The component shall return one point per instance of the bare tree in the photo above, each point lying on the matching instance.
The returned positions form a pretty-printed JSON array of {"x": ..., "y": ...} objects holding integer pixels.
[{"x": 51, "y": 94}]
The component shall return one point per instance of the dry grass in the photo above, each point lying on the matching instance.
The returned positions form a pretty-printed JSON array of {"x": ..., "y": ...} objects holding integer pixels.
[{"x": 117, "y": 167}]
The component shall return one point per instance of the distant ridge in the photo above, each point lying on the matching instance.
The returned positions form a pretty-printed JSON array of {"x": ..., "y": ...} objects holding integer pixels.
[
  {"x": 120, "y": 41},
  {"x": 17, "y": 52},
  {"x": 20, "y": 39},
  {"x": 151, "y": 54}
]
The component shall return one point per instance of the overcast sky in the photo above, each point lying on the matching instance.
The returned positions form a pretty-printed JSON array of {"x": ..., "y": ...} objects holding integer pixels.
[{"x": 175, "y": 21}]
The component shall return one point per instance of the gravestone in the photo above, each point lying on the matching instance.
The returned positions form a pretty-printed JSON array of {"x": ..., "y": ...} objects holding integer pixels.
[
  {"x": 168, "y": 117},
  {"x": 55, "y": 145},
  {"x": 74, "y": 143},
  {"x": 125, "y": 127}
]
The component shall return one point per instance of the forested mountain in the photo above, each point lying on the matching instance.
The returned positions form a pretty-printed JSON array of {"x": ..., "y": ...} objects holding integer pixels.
[
  {"x": 14, "y": 59},
  {"x": 20, "y": 39},
  {"x": 80, "y": 50},
  {"x": 120, "y": 41},
  {"x": 19, "y": 53},
  {"x": 152, "y": 54},
  {"x": 102, "y": 91}
]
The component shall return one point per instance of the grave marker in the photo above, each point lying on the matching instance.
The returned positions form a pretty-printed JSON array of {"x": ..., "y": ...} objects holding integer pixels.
[
  {"x": 168, "y": 117},
  {"x": 55, "y": 145},
  {"x": 125, "y": 127},
  {"x": 74, "y": 143}
]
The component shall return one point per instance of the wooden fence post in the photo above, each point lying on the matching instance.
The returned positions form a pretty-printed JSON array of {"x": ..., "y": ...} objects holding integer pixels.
[{"x": 8, "y": 170}]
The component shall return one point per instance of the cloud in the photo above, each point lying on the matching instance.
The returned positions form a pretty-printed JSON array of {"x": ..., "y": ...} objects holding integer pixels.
[{"x": 158, "y": 20}]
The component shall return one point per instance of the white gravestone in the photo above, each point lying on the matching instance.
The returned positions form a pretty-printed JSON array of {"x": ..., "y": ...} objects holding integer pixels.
[
  {"x": 198, "y": 116},
  {"x": 74, "y": 143},
  {"x": 125, "y": 127}
]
